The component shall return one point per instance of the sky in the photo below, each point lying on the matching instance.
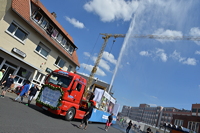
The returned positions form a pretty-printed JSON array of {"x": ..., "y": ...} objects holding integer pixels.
[{"x": 158, "y": 72}]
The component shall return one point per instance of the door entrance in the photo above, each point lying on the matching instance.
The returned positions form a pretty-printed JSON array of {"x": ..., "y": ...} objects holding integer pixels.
[{"x": 9, "y": 70}]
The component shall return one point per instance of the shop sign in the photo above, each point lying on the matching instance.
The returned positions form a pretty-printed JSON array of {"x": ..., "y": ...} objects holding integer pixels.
[
  {"x": 49, "y": 70},
  {"x": 19, "y": 52}
]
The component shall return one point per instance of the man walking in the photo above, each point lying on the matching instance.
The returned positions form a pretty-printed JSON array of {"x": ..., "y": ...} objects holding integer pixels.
[
  {"x": 129, "y": 127},
  {"x": 7, "y": 83},
  {"x": 109, "y": 122},
  {"x": 33, "y": 90},
  {"x": 24, "y": 91},
  {"x": 87, "y": 115}
]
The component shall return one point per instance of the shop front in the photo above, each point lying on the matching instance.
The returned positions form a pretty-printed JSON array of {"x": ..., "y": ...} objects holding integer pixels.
[{"x": 16, "y": 66}]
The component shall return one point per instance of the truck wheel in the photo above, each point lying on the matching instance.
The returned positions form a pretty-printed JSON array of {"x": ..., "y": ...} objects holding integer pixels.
[{"x": 70, "y": 114}]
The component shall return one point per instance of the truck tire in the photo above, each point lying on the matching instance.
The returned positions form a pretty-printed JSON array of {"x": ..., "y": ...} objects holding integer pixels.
[{"x": 70, "y": 114}]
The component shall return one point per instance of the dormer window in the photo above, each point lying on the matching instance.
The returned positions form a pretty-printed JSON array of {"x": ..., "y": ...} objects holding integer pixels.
[
  {"x": 44, "y": 23},
  {"x": 55, "y": 33},
  {"x": 37, "y": 17},
  {"x": 49, "y": 29},
  {"x": 71, "y": 49},
  {"x": 59, "y": 38},
  {"x": 64, "y": 41}
]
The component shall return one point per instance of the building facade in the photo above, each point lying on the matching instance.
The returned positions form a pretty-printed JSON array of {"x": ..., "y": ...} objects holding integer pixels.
[
  {"x": 191, "y": 122},
  {"x": 155, "y": 116},
  {"x": 33, "y": 43}
]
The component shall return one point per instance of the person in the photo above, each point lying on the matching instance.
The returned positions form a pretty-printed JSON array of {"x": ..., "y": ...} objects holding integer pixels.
[
  {"x": 7, "y": 83},
  {"x": 33, "y": 90},
  {"x": 1, "y": 73},
  {"x": 109, "y": 121},
  {"x": 24, "y": 91},
  {"x": 87, "y": 115},
  {"x": 148, "y": 130},
  {"x": 129, "y": 127}
]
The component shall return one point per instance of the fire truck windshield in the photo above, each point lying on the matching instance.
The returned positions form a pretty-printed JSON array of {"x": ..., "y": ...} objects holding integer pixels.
[{"x": 60, "y": 79}]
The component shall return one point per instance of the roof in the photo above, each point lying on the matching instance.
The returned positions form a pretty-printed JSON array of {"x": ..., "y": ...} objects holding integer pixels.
[{"x": 22, "y": 8}]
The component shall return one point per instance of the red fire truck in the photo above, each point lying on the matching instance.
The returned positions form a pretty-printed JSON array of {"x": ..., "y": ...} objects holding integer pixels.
[{"x": 63, "y": 93}]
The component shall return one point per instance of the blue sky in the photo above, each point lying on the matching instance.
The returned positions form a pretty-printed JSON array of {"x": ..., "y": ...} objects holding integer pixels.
[{"x": 159, "y": 72}]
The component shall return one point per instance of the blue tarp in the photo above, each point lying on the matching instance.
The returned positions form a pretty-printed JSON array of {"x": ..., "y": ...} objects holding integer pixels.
[{"x": 101, "y": 116}]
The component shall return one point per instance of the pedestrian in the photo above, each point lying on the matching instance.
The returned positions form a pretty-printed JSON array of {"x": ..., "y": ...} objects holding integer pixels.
[
  {"x": 7, "y": 83},
  {"x": 148, "y": 130},
  {"x": 87, "y": 115},
  {"x": 1, "y": 73},
  {"x": 123, "y": 123},
  {"x": 109, "y": 121},
  {"x": 129, "y": 127},
  {"x": 24, "y": 91},
  {"x": 33, "y": 90}
]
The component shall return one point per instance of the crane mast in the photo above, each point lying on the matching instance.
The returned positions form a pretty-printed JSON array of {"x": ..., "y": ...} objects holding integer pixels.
[{"x": 94, "y": 69}]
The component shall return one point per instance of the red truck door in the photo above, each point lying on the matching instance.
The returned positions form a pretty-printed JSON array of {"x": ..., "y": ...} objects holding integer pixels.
[{"x": 76, "y": 92}]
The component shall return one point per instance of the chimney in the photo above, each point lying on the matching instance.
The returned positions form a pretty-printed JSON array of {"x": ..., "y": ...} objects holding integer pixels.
[{"x": 54, "y": 14}]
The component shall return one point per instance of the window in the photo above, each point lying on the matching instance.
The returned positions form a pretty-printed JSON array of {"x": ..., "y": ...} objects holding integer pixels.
[
  {"x": 71, "y": 49},
  {"x": 194, "y": 110},
  {"x": 24, "y": 73},
  {"x": 37, "y": 17},
  {"x": 44, "y": 23},
  {"x": 16, "y": 31},
  {"x": 59, "y": 38},
  {"x": 50, "y": 29},
  {"x": 69, "y": 68},
  {"x": 39, "y": 77},
  {"x": 178, "y": 122},
  {"x": 55, "y": 33},
  {"x": 42, "y": 50},
  {"x": 64, "y": 41},
  {"x": 60, "y": 62},
  {"x": 66, "y": 46},
  {"x": 198, "y": 110},
  {"x": 192, "y": 125},
  {"x": 60, "y": 79}
]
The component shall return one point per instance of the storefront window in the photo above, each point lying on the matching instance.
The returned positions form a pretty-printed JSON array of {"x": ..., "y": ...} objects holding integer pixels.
[{"x": 24, "y": 73}]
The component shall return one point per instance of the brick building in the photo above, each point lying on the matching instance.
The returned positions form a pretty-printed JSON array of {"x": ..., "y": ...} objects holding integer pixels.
[
  {"x": 155, "y": 116},
  {"x": 191, "y": 122}
]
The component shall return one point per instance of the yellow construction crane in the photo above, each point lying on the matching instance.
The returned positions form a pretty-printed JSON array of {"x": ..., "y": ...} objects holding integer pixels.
[{"x": 107, "y": 36}]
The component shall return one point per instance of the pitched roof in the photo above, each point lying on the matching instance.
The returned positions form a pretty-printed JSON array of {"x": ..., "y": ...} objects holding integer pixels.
[{"x": 22, "y": 8}]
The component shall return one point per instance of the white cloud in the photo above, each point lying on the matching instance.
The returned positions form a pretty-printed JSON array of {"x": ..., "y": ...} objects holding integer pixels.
[
  {"x": 144, "y": 53},
  {"x": 75, "y": 22},
  {"x": 86, "y": 54},
  {"x": 195, "y": 32},
  {"x": 110, "y": 10},
  {"x": 189, "y": 61},
  {"x": 105, "y": 62},
  {"x": 158, "y": 53},
  {"x": 168, "y": 34},
  {"x": 161, "y": 53},
  {"x": 197, "y": 52},
  {"x": 177, "y": 56},
  {"x": 109, "y": 57},
  {"x": 99, "y": 72}
]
